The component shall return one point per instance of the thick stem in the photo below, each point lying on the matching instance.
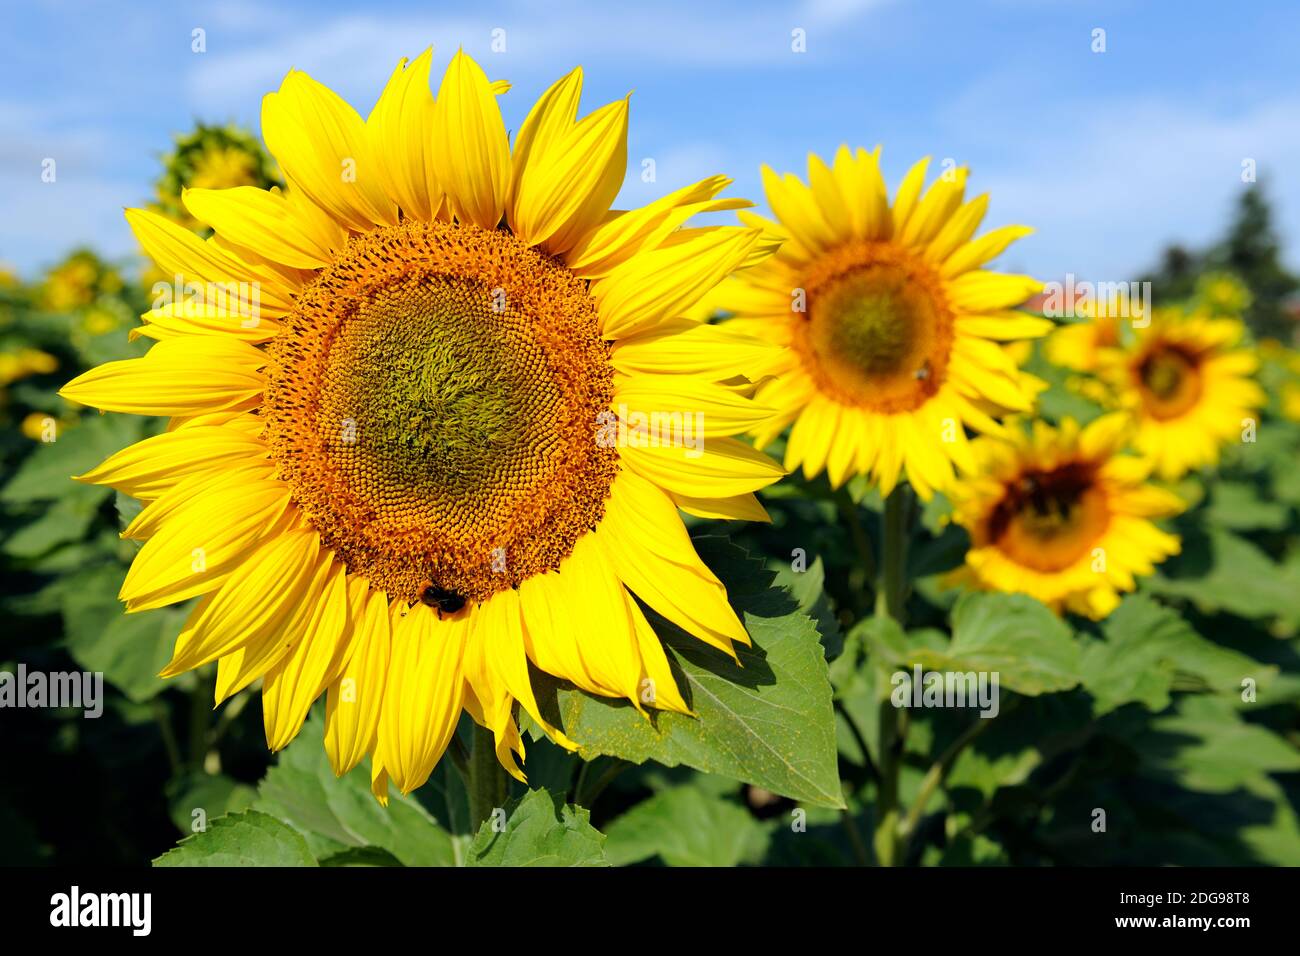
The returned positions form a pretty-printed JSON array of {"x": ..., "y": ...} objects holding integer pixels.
[
  {"x": 891, "y": 593},
  {"x": 488, "y": 785},
  {"x": 890, "y": 596}
]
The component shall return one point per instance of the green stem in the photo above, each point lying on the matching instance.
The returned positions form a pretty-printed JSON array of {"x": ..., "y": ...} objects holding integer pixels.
[
  {"x": 892, "y": 591},
  {"x": 890, "y": 597},
  {"x": 164, "y": 720},
  {"x": 201, "y": 708},
  {"x": 934, "y": 777},
  {"x": 588, "y": 789},
  {"x": 858, "y": 534},
  {"x": 488, "y": 785}
]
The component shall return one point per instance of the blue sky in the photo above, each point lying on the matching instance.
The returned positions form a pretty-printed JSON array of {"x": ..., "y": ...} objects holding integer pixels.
[{"x": 1109, "y": 155}]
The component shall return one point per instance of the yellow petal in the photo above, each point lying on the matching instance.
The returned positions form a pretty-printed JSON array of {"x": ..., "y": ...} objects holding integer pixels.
[
  {"x": 257, "y": 597},
  {"x": 356, "y": 698},
  {"x": 182, "y": 376},
  {"x": 400, "y": 129},
  {"x": 290, "y": 687},
  {"x": 198, "y": 265},
  {"x": 264, "y": 221},
  {"x": 424, "y": 695},
  {"x": 567, "y": 185},
  {"x": 471, "y": 155},
  {"x": 320, "y": 142},
  {"x": 723, "y": 468},
  {"x": 206, "y": 537},
  {"x": 150, "y": 467},
  {"x": 661, "y": 284}
]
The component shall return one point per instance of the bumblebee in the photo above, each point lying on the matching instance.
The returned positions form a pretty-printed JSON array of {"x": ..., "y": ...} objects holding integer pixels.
[{"x": 440, "y": 598}]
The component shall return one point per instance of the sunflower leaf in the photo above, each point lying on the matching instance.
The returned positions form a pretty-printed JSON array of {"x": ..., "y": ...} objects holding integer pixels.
[
  {"x": 539, "y": 829},
  {"x": 1147, "y": 646},
  {"x": 684, "y": 826},
  {"x": 247, "y": 838},
  {"x": 768, "y": 722},
  {"x": 129, "y": 649},
  {"x": 335, "y": 815},
  {"x": 1031, "y": 649}
]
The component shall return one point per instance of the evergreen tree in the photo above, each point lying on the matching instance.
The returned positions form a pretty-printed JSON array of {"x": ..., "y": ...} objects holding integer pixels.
[{"x": 1252, "y": 251}]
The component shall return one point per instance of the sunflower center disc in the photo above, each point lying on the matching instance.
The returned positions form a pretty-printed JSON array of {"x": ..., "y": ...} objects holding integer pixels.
[
  {"x": 1047, "y": 520},
  {"x": 879, "y": 332},
  {"x": 1169, "y": 381},
  {"x": 433, "y": 403}
]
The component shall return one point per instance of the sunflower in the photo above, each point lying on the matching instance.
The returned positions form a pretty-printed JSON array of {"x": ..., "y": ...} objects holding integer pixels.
[
  {"x": 210, "y": 157},
  {"x": 890, "y": 329},
  {"x": 429, "y": 459},
  {"x": 1061, "y": 515},
  {"x": 1188, "y": 386},
  {"x": 1077, "y": 345}
]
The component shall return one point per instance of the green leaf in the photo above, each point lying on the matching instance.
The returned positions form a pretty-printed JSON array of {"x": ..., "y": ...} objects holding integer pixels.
[
  {"x": 808, "y": 588},
  {"x": 247, "y": 838},
  {"x": 1146, "y": 647},
  {"x": 684, "y": 826},
  {"x": 67, "y": 519},
  {"x": 46, "y": 474},
  {"x": 768, "y": 722},
  {"x": 214, "y": 794},
  {"x": 334, "y": 815},
  {"x": 1239, "y": 507},
  {"x": 1032, "y": 650},
  {"x": 539, "y": 830},
  {"x": 1206, "y": 745},
  {"x": 1223, "y": 572},
  {"x": 130, "y": 649}
]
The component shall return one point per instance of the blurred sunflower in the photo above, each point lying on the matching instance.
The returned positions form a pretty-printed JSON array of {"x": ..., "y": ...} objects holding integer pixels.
[
  {"x": 1061, "y": 515},
  {"x": 1187, "y": 384},
  {"x": 1222, "y": 294},
  {"x": 891, "y": 331},
  {"x": 400, "y": 482},
  {"x": 78, "y": 281},
  {"x": 1077, "y": 345},
  {"x": 210, "y": 157}
]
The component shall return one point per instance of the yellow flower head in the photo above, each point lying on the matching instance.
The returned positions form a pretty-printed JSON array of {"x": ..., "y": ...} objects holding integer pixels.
[
  {"x": 78, "y": 281},
  {"x": 1187, "y": 384},
  {"x": 21, "y": 363},
  {"x": 1222, "y": 293},
  {"x": 1061, "y": 515},
  {"x": 431, "y": 454},
  {"x": 891, "y": 330},
  {"x": 210, "y": 157},
  {"x": 1076, "y": 345}
]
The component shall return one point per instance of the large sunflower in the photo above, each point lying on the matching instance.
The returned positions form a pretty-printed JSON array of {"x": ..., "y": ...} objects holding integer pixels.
[
  {"x": 889, "y": 325},
  {"x": 428, "y": 458},
  {"x": 1188, "y": 385},
  {"x": 1061, "y": 515}
]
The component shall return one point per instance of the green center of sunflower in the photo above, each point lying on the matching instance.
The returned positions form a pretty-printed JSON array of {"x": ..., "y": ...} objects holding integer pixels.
[
  {"x": 434, "y": 402},
  {"x": 1047, "y": 520},
  {"x": 1169, "y": 381},
  {"x": 879, "y": 331}
]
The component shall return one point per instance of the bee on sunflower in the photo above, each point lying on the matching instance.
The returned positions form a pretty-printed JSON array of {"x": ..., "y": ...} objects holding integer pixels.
[
  {"x": 1061, "y": 514},
  {"x": 387, "y": 485},
  {"x": 891, "y": 330}
]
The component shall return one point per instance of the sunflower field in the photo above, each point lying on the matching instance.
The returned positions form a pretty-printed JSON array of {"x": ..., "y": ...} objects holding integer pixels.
[{"x": 475, "y": 523}]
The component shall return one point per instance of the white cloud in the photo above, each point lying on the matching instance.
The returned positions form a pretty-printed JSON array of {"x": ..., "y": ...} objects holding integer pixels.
[{"x": 1108, "y": 182}]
